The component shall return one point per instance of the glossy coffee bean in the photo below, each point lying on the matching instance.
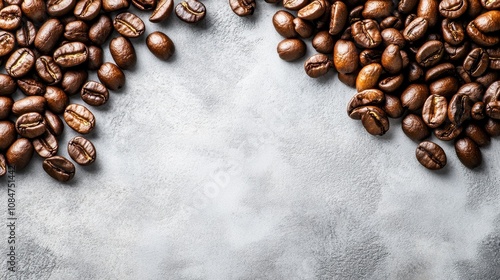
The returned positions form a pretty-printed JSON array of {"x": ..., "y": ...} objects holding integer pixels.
[
  {"x": 323, "y": 42},
  {"x": 291, "y": 49},
  {"x": 493, "y": 109},
  {"x": 345, "y": 56},
  {"x": 59, "y": 168},
  {"x": 431, "y": 155},
  {"x": 375, "y": 121},
  {"x": 160, "y": 45},
  {"x": 71, "y": 54},
  {"x": 392, "y": 60},
  {"x": 453, "y": 32},
  {"x": 283, "y": 23},
  {"x": 448, "y": 131},
  {"x": 111, "y": 76},
  {"x": 430, "y": 10},
  {"x": 20, "y": 63},
  {"x": 349, "y": 79},
  {"x": 468, "y": 152},
  {"x": 415, "y": 128},
  {"x": 6, "y": 104},
  {"x": 34, "y": 10},
  {"x": 242, "y": 7},
  {"x": 123, "y": 52},
  {"x": 7, "y": 85},
  {"x": 393, "y": 36},
  {"x": 94, "y": 93},
  {"x": 7, "y": 134},
  {"x": 129, "y": 25},
  {"x": 87, "y": 9},
  {"x": 377, "y": 9},
  {"x": 457, "y": 53},
  {"x": 392, "y": 106},
  {"x": 81, "y": 150},
  {"x": 48, "y": 70},
  {"x": 57, "y": 100},
  {"x": 368, "y": 76},
  {"x": 453, "y": 8},
  {"x": 46, "y": 145},
  {"x": 58, "y": 8},
  {"x": 314, "y": 10},
  {"x": 29, "y": 104},
  {"x": 95, "y": 57},
  {"x": 162, "y": 11},
  {"x": 77, "y": 31},
  {"x": 317, "y": 65},
  {"x": 492, "y": 127},
  {"x": 370, "y": 56},
  {"x": 406, "y": 6},
  {"x": 7, "y": 42},
  {"x": 446, "y": 86},
  {"x": 114, "y": 5},
  {"x": 477, "y": 134},
  {"x": 190, "y": 11},
  {"x": 30, "y": 125},
  {"x": 481, "y": 28},
  {"x": 144, "y": 5},
  {"x": 478, "y": 111},
  {"x": 459, "y": 108},
  {"x": 79, "y": 118},
  {"x": 476, "y": 62},
  {"x": 435, "y": 110},
  {"x": 475, "y": 91},
  {"x": 100, "y": 30},
  {"x": 19, "y": 153},
  {"x": 295, "y": 5},
  {"x": 338, "y": 17},
  {"x": 48, "y": 35},
  {"x": 364, "y": 98},
  {"x": 391, "y": 83},
  {"x": 25, "y": 35},
  {"x": 366, "y": 33},
  {"x": 10, "y": 18},
  {"x": 414, "y": 96},
  {"x": 416, "y": 29},
  {"x": 439, "y": 71},
  {"x": 430, "y": 53},
  {"x": 31, "y": 86},
  {"x": 392, "y": 22},
  {"x": 73, "y": 81},
  {"x": 53, "y": 123}
]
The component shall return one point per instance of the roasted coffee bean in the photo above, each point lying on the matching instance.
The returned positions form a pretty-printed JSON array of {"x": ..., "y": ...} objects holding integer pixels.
[
  {"x": 415, "y": 128},
  {"x": 57, "y": 8},
  {"x": 492, "y": 127},
  {"x": 73, "y": 81},
  {"x": 430, "y": 53},
  {"x": 391, "y": 83},
  {"x": 295, "y": 5},
  {"x": 406, "y": 6},
  {"x": 314, "y": 10},
  {"x": 448, "y": 131},
  {"x": 34, "y": 10},
  {"x": 347, "y": 34},
  {"x": 25, "y": 36},
  {"x": 242, "y": 7},
  {"x": 416, "y": 29},
  {"x": 144, "y": 5},
  {"x": 370, "y": 56},
  {"x": 414, "y": 96},
  {"x": 10, "y": 18},
  {"x": 114, "y": 5},
  {"x": 473, "y": 90},
  {"x": 481, "y": 29},
  {"x": 366, "y": 33},
  {"x": 317, "y": 65},
  {"x": 323, "y": 42},
  {"x": 77, "y": 31},
  {"x": 48, "y": 35},
  {"x": 20, "y": 153},
  {"x": 468, "y": 152},
  {"x": 415, "y": 72},
  {"x": 30, "y": 125},
  {"x": 6, "y": 104},
  {"x": 59, "y": 168},
  {"x": 439, "y": 71},
  {"x": 100, "y": 30},
  {"x": 79, "y": 118},
  {"x": 491, "y": 4},
  {"x": 31, "y": 86},
  {"x": 162, "y": 11},
  {"x": 7, "y": 42},
  {"x": 338, "y": 17},
  {"x": 446, "y": 86},
  {"x": 392, "y": 36},
  {"x": 487, "y": 79},
  {"x": 392, "y": 106},
  {"x": 160, "y": 45},
  {"x": 457, "y": 52},
  {"x": 29, "y": 104},
  {"x": 291, "y": 49},
  {"x": 431, "y": 155},
  {"x": 475, "y": 8},
  {"x": 129, "y": 25},
  {"x": 48, "y": 70},
  {"x": 377, "y": 9},
  {"x": 349, "y": 79},
  {"x": 71, "y": 54},
  {"x": 494, "y": 56},
  {"x": 94, "y": 93},
  {"x": 368, "y": 77},
  {"x": 452, "y": 8},
  {"x": 477, "y": 134},
  {"x": 459, "y": 108},
  {"x": 190, "y": 11},
  {"x": 355, "y": 14},
  {"x": 111, "y": 76},
  {"x": 81, "y": 150},
  {"x": 453, "y": 32},
  {"x": 7, "y": 134},
  {"x": 3, "y": 165},
  {"x": 345, "y": 57},
  {"x": 375, "y": 121},
  {"x": 95, "y": 57},
  {"x": 463, "y": 75},
  {"x": 364, "y": 98},
  {"x": 7, "y": 85},
  {"x": 391, "y": 22},
  {"x": 20, "y": 63},
  {"x": 493, "y": 109},
  {"x": 46, "y": 145},
  {"x": 303, "y": 27},
  {"x": 409, "y": 18},
  {"x": 492, "y": 92},
  {"x": 283, "y": 23},
  {"x": 87, "y": 9},
  {"x": 430, "y": 10},
  {"x": 435, "y": 111},
  {"x": 392, "y": 60},
  {"x": 123, "y": 52},
  {"x": 476, "y": 62},
  {"x": 478, "y": 111},
  {"x": 53, "y": 123},
  {"x": 57, "y": 100}
]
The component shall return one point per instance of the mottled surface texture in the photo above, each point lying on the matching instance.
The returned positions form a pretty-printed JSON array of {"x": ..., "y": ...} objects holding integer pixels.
[{"x": 227, "y": 163}]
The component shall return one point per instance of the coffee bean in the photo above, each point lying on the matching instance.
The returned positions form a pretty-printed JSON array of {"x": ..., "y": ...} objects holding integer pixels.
[
  {"x": 81, "y": 150},
  {"x": 57, "y": 100},
  {"x": 492, "y": 92},
  {"x": 7, "y": 85},
  {"x": 71, "y": 54},
  {"x": 392, "y": 36},
  {"x": 430, "y": 53},
  {"x": 392, "y": 107},
  {"x": 349, "y": 79},
  {"x": 459, "y": 108},
  {"x": 303, "y": 27},
  {"x": 415, "y": 72},
  {"x": 416, "y": 29},
  {"x": 406, "y": 6},
  {"x": 19, "y": 153},
  {"x": 487, "y": 79},
  {"x": 162, "y": 11},
  {"x": 160, "y": 45},
  {"x": 478, "y": 111},
  {"x": 435, "y": 110},
  {"x": 48, "y": 35},
  {"x": 79, "y": 118},
  {"x": 242, "y": 7},
  {"x": 114, "y": 5},
  {"x": 6, "y": 104},
  {"x": 476, "y": 62},
  {"x": 283, "y": 23},
  {"x": 46, "y": 145},
  {"x": 377, "y": 9},
  {"x": 446, "y": 86},
  {"x": 480, "y": 28},
  {"x": 73, "y": 81},
  {"x": 29, "y": 104},
  {"x": 492, "y": 127},
  {"x": 375, "y": 121},
  {"x": 317, "y": 65},
  {"x": 414, "y": 96},
  {"x": 473, "y": 90},
  {"x": 100, "y": 30},
  {"x": 452, "y": 8},
  {"x": 391, "y": 83},
  {"x": 370, "y": 56},
  {"x": 295, "y": 5},
  {"x": 291, "y": 49},
  {"x": 355, "y": 14},
  {"x": 366, "y": 33},
  {"x": 31, "y": 86},
  {"x": 10, "y": 18},
  {"x": 34, "y": 10},
  {"x": 190, "y": 11},
  {"x": 323, "y": 42},
  {"x": 448, "y": 131},
  {"x": 392, "y": 60},
  {"x": 129, "y": 25},
  {"x": 430, "y": 10},
  {"x": 57, "y": 8},
  {"x": 431, "y": 155},
  {"x": 59, "y": 168},
  {"x": 144, "y": 5},
  {"x": 345, "y": 56},
  {"x": 491, "y": 5},
  {"x": 7, "y": 42},
  {"x": 364, "y": 98},
  {"x": 468, "y": 152},
  {"x": 493, "y": 110},
  {"x": 338, "y": 17},
  {"x": 77, "y": 31},
  {"x": 111, "y": 76},
  {"x": 123, "y": 52},
  {"x": 30, "y": 125},
  {"x": 314, "y": 10},
  {"x": 477, "y": 134},
  {"x": 94, "y": 93},
  {"x": 453, "y": 32},
  {"x": 414, "y": 127},
  {"x": 7, "y": 134},
  {"x": 48, "y": 70},
  {"x": 457, "y": 52},
  {"x": 25, "y": 36},
  {"x": 368, "y": 77},
  {"x": 391, "y": 22},
  {"x": 439, "y": 71},
  {"x": 95, "y": 57},
  {"x": 20, "y": 63},
  {"x": 87, "y": 9}
]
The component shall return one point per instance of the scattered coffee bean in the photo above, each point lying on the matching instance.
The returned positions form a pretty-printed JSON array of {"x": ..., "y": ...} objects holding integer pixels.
[
  {"x": 81, "y": 150},
  {"x": 190, "y": 11},
  {"x": 59, "y": 168},
  {"x": 160, "y": 45},
  {"x": 431, "y": 155}
]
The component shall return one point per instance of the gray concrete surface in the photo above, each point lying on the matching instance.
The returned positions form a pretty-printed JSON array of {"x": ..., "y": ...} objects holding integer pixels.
[{"x": 228, "y": 163}]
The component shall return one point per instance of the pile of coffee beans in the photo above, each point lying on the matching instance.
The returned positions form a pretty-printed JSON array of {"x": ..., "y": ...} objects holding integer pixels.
[
  {"x": 435, "y": 64},
  {"x": 48, "y": 48}
]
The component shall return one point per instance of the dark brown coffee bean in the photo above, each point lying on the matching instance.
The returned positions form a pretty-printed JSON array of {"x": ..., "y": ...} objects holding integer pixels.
[
  {"x": 25, "y": 36},
  {"x": 77, "y": 31},
  {"x": 347, "y": 34},
  {"x": 487, "y": 79},
  {"x": 364, "y": 98},
  {"x": 391, "y": 83},
  {"x": 295, "y": 5},
  {"x": 59, "y": 168},
  {"x": 81, "y": 150},
  {"x": 430, "y": 10},
  {"x": 446, "y": 86},
  {"x": 457, "y": 52},
  {"x": 53, "y": 123},
  {"x": 439, "y": 71},
  {"x": 448, "y": 131},
  {"x": 416, "y": 29},
  {"x": 392, "y": 36},
  {"x": 114, "y": 5},
  {"x": 492, "y": 127},
  {"x": 392, "y": 107},
  {"x": 34, "y": 10},
  {"x": 415, "y": 72},
  {"x": 3, "y": 165},
  {"x": 48, "y": 35},
  {"x": 345, "y": 57},
  {"x": 7, "y": 85},
  {"x": 377, "y": 9},
  {"x": 453, "y": 32},
  {"x": 31, "y": 86},
  {"x": 7, "y": 42},
  {"x": 406, "y": 6},
  {"x": 242, "y": 7},
  {"x": 160, "y": 45},
  {"x": 459, "y": 108},
  {"x": 323, "y": 42},
  {"x": 129, "y": 25},
  {"x": 71, "y": 54},
  {"x": 375, "y": 121},
  {"x": 291, "y": 49},
  {"x": 478, "y": 111},
  {"x": 468, "y": 152},
  {"x": 435, "y": 111},
  {"x": 6, "y": 104},
  {"x": 94, "y": 93},
  {"x": 366, "y": 33},
  {"x": 415, "y": 128},
  {"x": 101, "y": 29},
  {"x": 123, "y": 52},
  {"x": 46, "y": 145},
  {"x": 368, "y": 77},
  {"x": 303, "y": 27},
  {"x": 20, "y": 63},
  {"x": 144, "y": 5},
  {"x": 476, "y": 62},
  {"x": 452, "y": 8},
  {"x": 87, "y": 9},
  {"x": 493, "y": 109},
  {"x": 370, "y": 56},
  {"x": 48, "y": 70},
  {"x": 477, "y": 134},
  {"x": 111, "y": 76},
  {"x": 10, "y": 18},
  {"x": 57, "y": 100},
  {"x": 463, "y": 76},
  {"x": 8, "y": 134},
  {"x": 30, "y": 125},
  {"x": 338, "y": 17},
  {"x": 190, "y": 11},
  {"x": 95, "y": 57},
  {"x": 492, "y": 92},
  {"x": 355, "y": 14},
  {"x": 29, "y": 104},
  {"x": 317, "y": 65},
  {"x": 431, "y": 155},
  {"x": 494, "y": 55},
  {"x": 283, "y": 23},
  {"x": 57, "y": 8},
  {"x": 314, "y": 10},
  {"x": 73, "y": 81},
  {"x": 491, "y": 4},
  {"x": 392, "y": 22},
  {"x": 473, "y": 90},
  {"x": 414, "y": 96},
  {"x": 479, "y": 30},
  {"x": 162, "y": 11},
  {"x": 79, "y": 118},
  {"x": 487, "y": 22},
  {"x": 349, "y": 79},
  {"x": 392, "y": 60},
  {"x": 20, "y": 153},
  {"x": 430, "y": 53}
]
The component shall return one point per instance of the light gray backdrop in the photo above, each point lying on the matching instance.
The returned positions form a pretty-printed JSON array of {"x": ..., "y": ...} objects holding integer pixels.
[{"x": 228, "y": 163}]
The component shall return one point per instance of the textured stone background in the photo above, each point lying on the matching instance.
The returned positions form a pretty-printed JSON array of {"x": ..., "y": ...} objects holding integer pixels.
[{"x": 228, "y": 163}]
